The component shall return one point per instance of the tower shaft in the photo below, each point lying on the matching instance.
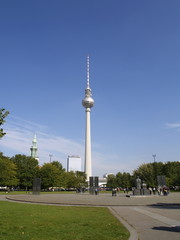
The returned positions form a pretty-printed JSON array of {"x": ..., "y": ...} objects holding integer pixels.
[{"x": 88, "y": 167}]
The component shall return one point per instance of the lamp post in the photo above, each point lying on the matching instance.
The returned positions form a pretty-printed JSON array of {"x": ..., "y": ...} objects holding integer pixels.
[
  {"x": 50, "y": 155},
  {"x": 154, "y": 156},
  {"x": 155, "y": 170}
]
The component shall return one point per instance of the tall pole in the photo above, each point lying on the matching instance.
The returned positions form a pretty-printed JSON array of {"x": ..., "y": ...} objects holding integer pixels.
[
  {"x": 155, "y": 170},
  {"x": 50, "y": 156},
  {"x": 88, "y": 103}
]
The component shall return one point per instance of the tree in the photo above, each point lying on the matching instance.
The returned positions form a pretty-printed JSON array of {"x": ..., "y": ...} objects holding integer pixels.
[
  {"x": 58, "y": 165},
  {"x": 75, "y": 179},
  {"x": 3, "y": 114},
  {"x": 51, "y": 176},
  {"x": 119, "y": 179},
  {"x": 172, "y": 173},
  {"x": 81, "y": 179},
  {"x": 27, "y": 170},
  {"x": 111, "y": 181},
  {"x": 8, "y": 174},
  {"x": 126, "y": 180},
  {"x": 149, "y": 172},
  {"x": 146, "y": 173},
  {"x": 70, "y": 180}
]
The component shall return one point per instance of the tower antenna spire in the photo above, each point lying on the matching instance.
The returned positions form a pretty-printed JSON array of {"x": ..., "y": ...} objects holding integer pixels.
[{"x": 88, "y": 72}]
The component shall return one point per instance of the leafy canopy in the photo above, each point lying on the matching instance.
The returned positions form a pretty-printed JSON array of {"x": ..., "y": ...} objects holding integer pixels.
[
  {"x": 3, "y": 114},
  {"x": 8, "y": 174},
  {"x": 27, "y": 169}
]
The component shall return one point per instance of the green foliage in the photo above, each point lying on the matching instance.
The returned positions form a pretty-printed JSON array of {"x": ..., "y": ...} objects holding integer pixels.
[
  {"x": 24, "y": 169},
  {"x": 3, "y": 114},
  {"x": 75, "y": 179},
  {"x": 40, "y": 222},
  {"x": 147, "y": 173},
  {"x": 27, "y": 169},
  {"x": 8, "y": 174},
  {"x": 58, "y": 165},
  {"x": 172, "y": 172},
  {"x": 51, "y": 176},
  {"x": 81, "y": 179},
  {"x": 123, "y": 179},
  {"x": 70, "y": 180},
  {"x": 111, "y": 181},
  {"x": 119, "y": 179}
]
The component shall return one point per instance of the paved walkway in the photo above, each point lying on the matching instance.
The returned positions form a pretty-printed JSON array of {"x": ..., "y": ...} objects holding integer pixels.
[
  {"x": 105, "y": 199},
  {"x": 151, "y": 223},
  {"x": 147, "y": 218}
]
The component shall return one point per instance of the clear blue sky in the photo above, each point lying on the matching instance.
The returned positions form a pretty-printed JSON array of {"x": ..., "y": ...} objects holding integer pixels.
[{"x": 134, "y": 49}]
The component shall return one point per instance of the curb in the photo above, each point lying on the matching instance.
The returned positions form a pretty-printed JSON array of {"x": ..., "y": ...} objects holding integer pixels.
[{"x": 132, "y": 231}]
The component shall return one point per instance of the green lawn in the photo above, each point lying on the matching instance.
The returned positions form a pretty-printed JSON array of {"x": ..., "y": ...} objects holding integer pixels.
[{"x": 40, "y": 222}]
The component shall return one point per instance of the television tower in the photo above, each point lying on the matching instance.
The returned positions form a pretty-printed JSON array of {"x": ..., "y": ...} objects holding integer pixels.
[{"x": 88, "y": 103}]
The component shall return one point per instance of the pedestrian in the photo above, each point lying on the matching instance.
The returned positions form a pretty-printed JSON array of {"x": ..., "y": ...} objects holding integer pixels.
[{"x": 114, "y": 191}]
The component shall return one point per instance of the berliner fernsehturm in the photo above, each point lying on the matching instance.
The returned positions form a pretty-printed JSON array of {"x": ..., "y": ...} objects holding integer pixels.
[{"x": 88, "y": 103}]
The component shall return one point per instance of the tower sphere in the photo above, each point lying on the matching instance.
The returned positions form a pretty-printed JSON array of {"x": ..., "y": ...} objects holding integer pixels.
[{"x": 88, "y": 101}]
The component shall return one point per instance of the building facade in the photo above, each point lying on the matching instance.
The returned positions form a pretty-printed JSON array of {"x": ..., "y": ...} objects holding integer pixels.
[{"x": 74, "y": 163}]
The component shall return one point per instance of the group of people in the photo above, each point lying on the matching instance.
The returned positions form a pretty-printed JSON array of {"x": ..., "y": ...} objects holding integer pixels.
[
  {"x": 152, "y": 190},
  {"x": 115, "y": 190},
  {"x": 160, "y": 190},
  {"x": 163, "y": 191}
]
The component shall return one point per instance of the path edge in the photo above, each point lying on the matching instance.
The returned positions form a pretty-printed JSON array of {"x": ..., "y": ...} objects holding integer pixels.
[{"x": 132, "y": 231}]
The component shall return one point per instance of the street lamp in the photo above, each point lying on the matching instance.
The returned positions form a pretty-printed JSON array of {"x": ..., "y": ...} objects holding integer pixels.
[
  {"x": 50, "y": 155},
  {"x": 155, "y": 169},
  {"x": 154, "y": 156}
]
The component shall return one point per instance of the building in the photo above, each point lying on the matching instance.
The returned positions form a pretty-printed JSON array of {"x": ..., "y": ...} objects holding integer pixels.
[
  {"x": 88, "y": 103},
  {"x": 74, "y": 163}
]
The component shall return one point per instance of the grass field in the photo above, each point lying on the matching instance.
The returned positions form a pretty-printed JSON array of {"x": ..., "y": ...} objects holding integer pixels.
[{"x": 40, "y": 222}]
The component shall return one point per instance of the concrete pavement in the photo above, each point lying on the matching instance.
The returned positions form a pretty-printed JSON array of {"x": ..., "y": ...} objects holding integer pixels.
[
  {"x": 105, "y": 199},
  {"x": 151, "y": 222}
]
